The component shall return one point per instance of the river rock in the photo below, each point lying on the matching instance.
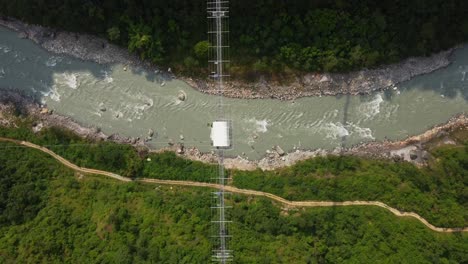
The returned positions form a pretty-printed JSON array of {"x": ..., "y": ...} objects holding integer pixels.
[
  {"x": 22, "y": 35},
  {"x": 324, "y": 79},
  {"x": 397, "y": 158},
  {"x": 180, "y": 149},
  {"x": 37, "y": 127},
  {"x": 181, "y": 96},
  {"x": 280, "y": 151},
  {"x": 413, "y": 154},
  {"x": 425, "y": 155},
  {"x": 150, "y": 132},
  {"x": 181, "y": 137},
  {"x": 102, "y": 108}
]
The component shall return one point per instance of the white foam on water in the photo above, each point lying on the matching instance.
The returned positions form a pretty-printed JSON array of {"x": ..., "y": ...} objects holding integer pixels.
[
  {"x": 107, "y": 77},
  {"x": 52, "y": 61},
  {"x": 45, "y": 94},
  {"x": 326, "y": 118},
  {"x": 71, "y": 80},
  {"x": 260, "y": 125},
  {"x": 334, "y": 130},
  {"x": 5, "y": 49},
  {"x": 52, "y": 94},
  {"x": 371, "y": 109},
  {"x": 175, "y": 101},
  {"x": 391, "y": 111},
  {"x": 68, "y": 79},
  {"x": 140, "y": 107},
  {"x": 19, "y": 58},
  {"x": 117, "y": 114},
  {"x": 362, "y": 132}
]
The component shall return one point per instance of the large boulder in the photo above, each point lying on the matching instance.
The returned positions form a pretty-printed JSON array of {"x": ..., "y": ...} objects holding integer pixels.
[{"x": 181, "y": 96}]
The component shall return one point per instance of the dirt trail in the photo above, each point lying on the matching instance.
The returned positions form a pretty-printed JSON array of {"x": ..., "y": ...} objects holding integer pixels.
[{"x": 239, "y": 191}]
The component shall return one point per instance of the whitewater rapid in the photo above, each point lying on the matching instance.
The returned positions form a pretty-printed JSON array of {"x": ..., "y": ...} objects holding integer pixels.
[{"x": 132, "y": 101}]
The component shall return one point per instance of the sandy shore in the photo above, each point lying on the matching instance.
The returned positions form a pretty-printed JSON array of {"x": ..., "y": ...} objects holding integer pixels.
[{"x": 92, "y": 48}]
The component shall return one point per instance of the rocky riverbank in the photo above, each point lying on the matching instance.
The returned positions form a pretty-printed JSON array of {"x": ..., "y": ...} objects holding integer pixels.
[
  {"x": 328, "y": 84},
  {"x": 412, "y": 149},
  {"x": 14, "y": 101},
  {"x": 95, "y": 49},
  {"x": 92, "y": 48}
]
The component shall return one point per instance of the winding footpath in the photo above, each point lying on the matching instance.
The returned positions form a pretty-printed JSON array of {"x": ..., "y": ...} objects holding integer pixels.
[{"x": 237, "y": 190}]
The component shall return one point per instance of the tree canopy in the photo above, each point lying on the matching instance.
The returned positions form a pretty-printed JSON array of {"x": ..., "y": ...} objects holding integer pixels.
[
  {"x": 304, "y": 35},
  {"x": 48, "y": 214}
]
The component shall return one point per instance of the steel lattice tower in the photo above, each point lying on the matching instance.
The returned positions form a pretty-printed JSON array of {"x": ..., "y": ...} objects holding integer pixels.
[{"x": 218, "y": 36}]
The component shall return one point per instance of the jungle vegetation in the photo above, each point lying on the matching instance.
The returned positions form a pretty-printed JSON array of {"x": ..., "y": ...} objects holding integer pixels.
[
  {"x": 50, "y": 214},
  {"x": 266, "y": 36},
  {"x": 437, "y": 192}
]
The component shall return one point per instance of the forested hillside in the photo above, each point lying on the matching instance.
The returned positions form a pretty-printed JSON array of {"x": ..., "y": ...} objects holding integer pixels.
[
  {"x": 266, "y": 35},
  {"x": 437, "y": 192},
  {"x": 49, "y": 214}
]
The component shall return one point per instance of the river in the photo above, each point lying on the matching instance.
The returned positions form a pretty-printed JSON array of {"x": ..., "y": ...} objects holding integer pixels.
[{"x": 133, "y": 101}]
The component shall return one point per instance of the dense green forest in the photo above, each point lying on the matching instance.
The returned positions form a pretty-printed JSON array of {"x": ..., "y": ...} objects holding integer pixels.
[
  {"x": 266, "y": 36},
  {"x": 49, "y": 214},
  {"x": 119, "y": 158},
  {"x": 437, "y": 192}
]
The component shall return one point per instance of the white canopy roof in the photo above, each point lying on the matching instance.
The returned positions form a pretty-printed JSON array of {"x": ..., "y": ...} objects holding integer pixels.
[{"x": 220, "y": 134}]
